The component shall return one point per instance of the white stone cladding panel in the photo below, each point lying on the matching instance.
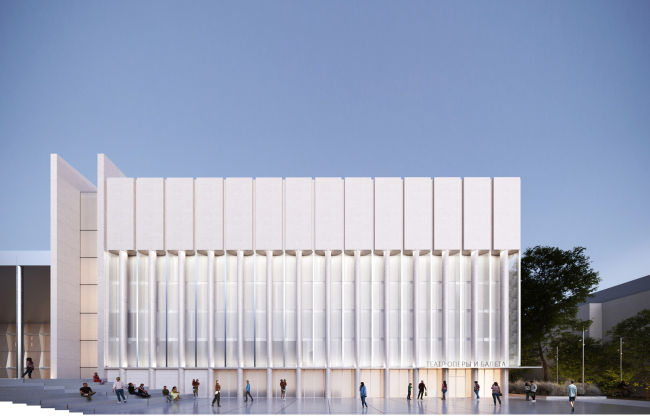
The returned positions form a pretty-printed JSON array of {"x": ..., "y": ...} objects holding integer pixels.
[
  {"x": 208, "y": 228},
  {"x": 120, "y": 213},
  {"x": 89, "y": 211},
  {"x": 65, "y": 266},
  {"x": 268, "y": 214},
  {"x": 298, "y": 214},
  {"x": 507, "y": 213},
  {"x": 149, "y": 214},
  {"x": 389, "y": 213},
  {"x": 477, "y": 213},
  {"x": 179, "y": 213},
  {"x": 447, "y": 213},
  {"x": 359, "y": 214},
  {"x": 329, "y": 214},
  {"x": 239, "y": 214},
  {"x": 418, "y": 213}
]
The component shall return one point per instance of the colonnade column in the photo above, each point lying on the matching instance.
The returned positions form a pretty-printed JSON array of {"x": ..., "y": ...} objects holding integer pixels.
[
  {"x": 504, "y": 311},
  {"x": 387, "y": 323},
  {"x": 357, "y": 321},
  {"x": 445, "y": 315},
  {"x": 240, "y": 325},
  {"x": 153, "y": 313},
  {"x": 211, "y": 301},
  {"x": 474, "y": 313},
  {"x": 298, "y": 324},
  {"x": 269, "y": 324},
  {"x": 181, "y": 321},
  {"x": 122, "y": 334},
  {"x": 416, "y": 335},
  {"x": 19, "y": 321},
  {"x": 328, "y": 321}
]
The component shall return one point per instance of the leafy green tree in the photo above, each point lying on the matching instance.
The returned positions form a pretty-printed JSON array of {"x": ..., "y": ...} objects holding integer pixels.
[
  {"x": 635, "y": 332},
  {"x": 553, "y": 283},
  {"x": 569, "y": 349}
]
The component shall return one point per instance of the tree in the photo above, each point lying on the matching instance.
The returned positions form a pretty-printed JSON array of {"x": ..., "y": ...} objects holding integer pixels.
[
  {"x": 569, "y": 346},
  {"x": 553, "y": 283},
  {"x": 635, "y": 332}
]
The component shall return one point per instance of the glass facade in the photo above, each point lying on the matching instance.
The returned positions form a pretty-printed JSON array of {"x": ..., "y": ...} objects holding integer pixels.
[{"x": 283, "y": 311}]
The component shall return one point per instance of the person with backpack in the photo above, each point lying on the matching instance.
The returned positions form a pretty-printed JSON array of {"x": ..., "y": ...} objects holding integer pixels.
[
  {"x": 533, "y": 390},
  {"x": 477, "y": 388}
]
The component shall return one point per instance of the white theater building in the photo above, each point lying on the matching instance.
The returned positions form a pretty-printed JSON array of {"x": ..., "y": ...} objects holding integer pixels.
[{"x": 324, "y": 282}]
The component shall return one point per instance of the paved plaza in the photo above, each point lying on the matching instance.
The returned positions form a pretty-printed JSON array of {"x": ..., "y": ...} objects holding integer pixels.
[
  {"x": 392, "y": 406},
  {"x": 63, "y": 394}
]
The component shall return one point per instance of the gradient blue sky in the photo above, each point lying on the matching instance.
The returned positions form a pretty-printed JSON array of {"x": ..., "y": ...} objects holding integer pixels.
[{"x": 555, "y": 92}]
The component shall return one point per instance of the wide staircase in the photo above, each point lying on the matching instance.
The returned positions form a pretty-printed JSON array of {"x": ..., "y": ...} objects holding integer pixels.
[{"x": 63, "y": 394}]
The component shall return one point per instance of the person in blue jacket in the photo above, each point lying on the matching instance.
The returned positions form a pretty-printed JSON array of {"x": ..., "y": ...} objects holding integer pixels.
[
  {"x": 362, "y": 392},
  {"x": 248, "y": 392}
]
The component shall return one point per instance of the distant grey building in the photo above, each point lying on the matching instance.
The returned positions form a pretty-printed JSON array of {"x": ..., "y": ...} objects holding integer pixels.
[{"x": 610, "y": 306}]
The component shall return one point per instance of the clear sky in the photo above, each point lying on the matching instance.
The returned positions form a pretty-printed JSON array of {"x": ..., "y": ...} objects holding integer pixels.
[{"x": 555, "y": 92}]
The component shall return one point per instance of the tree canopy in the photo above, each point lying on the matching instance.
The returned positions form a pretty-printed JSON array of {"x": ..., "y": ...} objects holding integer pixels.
[
  {"x": 553, "y": 283},
  {"x": 635, "y": 332}
]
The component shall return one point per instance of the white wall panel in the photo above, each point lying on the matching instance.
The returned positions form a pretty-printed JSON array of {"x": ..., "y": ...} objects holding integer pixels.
[
  {"x": 328, "y": 214},
  {"x": 268, "y": 214},
  {"x": 418, "y": 213},
  {"x": 507, "y": 213},
  {"x": 120, "y": 213},
  {"x": 298, "y": 213},
  {"x": 359, "y": 214},
  {"x": 447, "y": 213},
  {"x": 149, "y": 214},
  {"x": 239, "y": 214},
  {"x": 179, "y": 213},
  {"x": 389, "y": 220},
  {"x": 208, "y": 210},
  {"x": 477, "y": 213}
]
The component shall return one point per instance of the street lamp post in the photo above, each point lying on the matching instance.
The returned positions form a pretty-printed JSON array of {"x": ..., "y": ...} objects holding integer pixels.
[
  {"x": 557, "y": 364},
  {"x": 621, "y": 356},
  {"x": 583, "y": 357}
]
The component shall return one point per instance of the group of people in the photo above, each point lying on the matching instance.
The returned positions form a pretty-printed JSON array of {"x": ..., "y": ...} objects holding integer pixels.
[
  {"x": 530, "y": 388},
  {"x": 421, "y": 388}
]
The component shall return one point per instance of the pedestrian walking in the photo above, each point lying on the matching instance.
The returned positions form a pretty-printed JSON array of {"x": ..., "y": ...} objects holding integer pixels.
[
  {"x": 527, "y": 390},
  {"x": 444, "y": 389},
  {"x": 283, "y": 388},
  {"x": 408, "y": 397},
  {"x": 573, "y": 393},
  {"x": 496, "y": 393},
  {"x": 363, "y": 394},
  {"x": 421, "y": 388},
  {"x": 86, "y": 391},
  {"x": 217, "y": 394},
  {"x": 118, "y": 388},
  {"x": 29, "y": 368},
  {"x": 533, "y": 390},
  {"x": 248, "y": 392},
  {"x": 477, "y": 388}
]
